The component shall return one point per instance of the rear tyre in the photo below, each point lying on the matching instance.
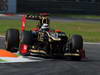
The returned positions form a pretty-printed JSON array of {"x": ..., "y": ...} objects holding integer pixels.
[
  {"x": 12, "y": 40},
  {"x": 76, "y": 44},
  {"x": 26, "y": 37}
]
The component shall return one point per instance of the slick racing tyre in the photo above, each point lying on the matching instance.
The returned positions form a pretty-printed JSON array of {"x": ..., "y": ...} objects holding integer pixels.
[
  {"x": 26, "y": 37},
  {"x": 12, "y": 40},
  {"x": 76, "y": 44}
]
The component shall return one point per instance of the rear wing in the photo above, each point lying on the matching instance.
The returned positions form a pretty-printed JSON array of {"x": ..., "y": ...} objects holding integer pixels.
[
  {"x": 37, "y": 16},
  {"x": 28, "y": 17},
  {"x": 42, "y": 17}
]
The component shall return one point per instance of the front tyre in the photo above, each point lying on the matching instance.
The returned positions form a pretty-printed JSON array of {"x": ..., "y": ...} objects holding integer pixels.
[{"x": 77, "y": 44}]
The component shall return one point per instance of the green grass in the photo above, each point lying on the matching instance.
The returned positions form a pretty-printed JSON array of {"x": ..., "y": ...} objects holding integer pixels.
[
  {"x": 2, "y": 60},
  {"x": 7, "y": 24},
  {"x": 85, "y": 16},
  {"x": 89, "y": 30}
]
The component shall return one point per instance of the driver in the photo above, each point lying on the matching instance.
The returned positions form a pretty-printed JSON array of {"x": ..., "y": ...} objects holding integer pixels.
[{"x": 45, "y": 27}]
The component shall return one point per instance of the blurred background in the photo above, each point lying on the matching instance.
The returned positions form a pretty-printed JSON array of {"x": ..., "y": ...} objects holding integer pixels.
[
  {"x": 51, "y": 6},
  {"x": 71, "y": 16}
]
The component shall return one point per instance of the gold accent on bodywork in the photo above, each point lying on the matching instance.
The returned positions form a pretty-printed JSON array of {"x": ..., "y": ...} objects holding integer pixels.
[
  {"x": 56, "y": 39},
  {"x": 71, "y": 54},
  {"x": 38, "y": 51}
]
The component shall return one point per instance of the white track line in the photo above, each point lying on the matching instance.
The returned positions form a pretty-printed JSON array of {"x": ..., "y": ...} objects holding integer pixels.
[
  {"x": 2, "y": 36},
  {"x": 1, "y": 14},
  {"x": 18, "y": 59},
  {"x": 12, "y": 15},
  {"x": 91, "y": 43}
]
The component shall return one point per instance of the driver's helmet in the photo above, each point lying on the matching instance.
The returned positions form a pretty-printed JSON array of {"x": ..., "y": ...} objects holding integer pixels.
[{"x": 45, "y": 27}]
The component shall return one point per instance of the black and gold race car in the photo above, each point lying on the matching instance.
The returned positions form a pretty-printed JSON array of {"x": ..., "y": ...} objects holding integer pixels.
[{"x": 44, "y": 41}]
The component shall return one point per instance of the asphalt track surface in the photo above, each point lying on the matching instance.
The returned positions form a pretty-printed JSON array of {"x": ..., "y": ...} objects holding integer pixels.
[{"x": 88, "y": 66}]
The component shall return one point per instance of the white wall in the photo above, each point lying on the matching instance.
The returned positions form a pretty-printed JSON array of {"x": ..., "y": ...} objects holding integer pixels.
[{"x": 11, "y": 6}]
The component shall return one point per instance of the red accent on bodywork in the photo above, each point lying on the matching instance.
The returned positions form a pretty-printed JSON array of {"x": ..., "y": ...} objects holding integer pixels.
[
  {"x": 9, "y": 14},
  {"x": 35, "y": 29},
  {"x": 82, "y": 53},
  {"x": 58, "y": 31},
  {"x": 44, "y": 14},
  {"x": 24, "y": 48},
  {"x": 50, "y": 31},
  {"x": 23, "y": 23}
]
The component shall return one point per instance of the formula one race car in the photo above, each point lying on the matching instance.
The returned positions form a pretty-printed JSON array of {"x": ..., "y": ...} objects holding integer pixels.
[{"x": 44, "y": 41}]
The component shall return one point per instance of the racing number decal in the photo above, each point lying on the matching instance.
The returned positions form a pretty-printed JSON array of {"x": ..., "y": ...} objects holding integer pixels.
[{"x": 41, "y": 36}]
